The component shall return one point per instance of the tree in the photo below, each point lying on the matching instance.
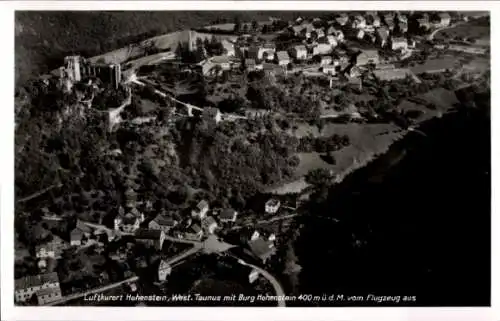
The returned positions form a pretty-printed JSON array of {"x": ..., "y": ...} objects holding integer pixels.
[
  {"x": 319, "y": 177},
  {"x": 245, "y": 28}
]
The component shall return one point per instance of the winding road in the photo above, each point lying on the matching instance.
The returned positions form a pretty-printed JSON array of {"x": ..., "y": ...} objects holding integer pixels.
[{"x": 276, "y": 285}]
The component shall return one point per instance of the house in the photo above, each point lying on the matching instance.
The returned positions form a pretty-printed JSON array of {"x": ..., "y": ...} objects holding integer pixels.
[
  {"x": 332, "y": 40},
  {"x": 262, "y": 52},
  {"x": 201, "y": 209},
  {"x": 77, "y": 234},
  {"x": 228, "y": 48},
  {"x": 317, "y": 33},
  {"x": 250, "y": 64},
  {"x": 330, "y": 30},
  {"x": 255, "y": 235},
  {"x": 272, "y": 206},
  {"x": 322, "y": 49},
  {"x": 262, "y": 249},
  {"x": 326, "y": 60},
  {"x": 339, "y": 35},
  {"x": 360, "y": 34},
  {"x": 330, "y": 70},
  {"x": 210, "y": 225},
  {"x": 253, "y": 276},
  {"x": 152, "y": 238},
  {"x": 403, "y": 27},
  {"x": 342, "y": 19},
  {"x": 307, "y": 30},
  {"x": 423, "y": 22},
  {"x": 222, "y": 61},
  {"x": 299, "y": 52},
  {"x": 48, "y": 295},
  {"x": 373, "y": 19},
  {"x": 444, "y": 19},
  {"x": 391, "y": 74},
  {"x": 352, "y": 72},
  {"x": 194, "y": 233},
  {"x": 388, "y": 18},
  {"x": 402, "y": 18},
  {"x": 359, "y": 22},
  {"x": 127, "y": 223},
  {"x": 164, "y": 270},
  {"x": 52, "y": 248},
  {"x": 163, "y": 223},
  {"x": 283, "y": 58},
  {"x": 26, "y": 287},
  {"x": 399, "y": 43},
  {"x": 367, "y": 57},
  {"x": 228, "y": 215},
  {"x": 212, "y": 113}
]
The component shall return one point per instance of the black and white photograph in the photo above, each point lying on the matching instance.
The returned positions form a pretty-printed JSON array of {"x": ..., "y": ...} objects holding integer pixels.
[{"x": 252, "y": 158}]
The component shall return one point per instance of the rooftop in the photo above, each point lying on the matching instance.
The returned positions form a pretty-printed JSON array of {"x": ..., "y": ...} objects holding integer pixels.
[
  {"x": 164, "y": 220},
  {"x": 283, "y": 55},
  {"x": 388, "y": 74},
  {"x": 147, "y": 234},
  {"x": 261, "y": 248},
  {"x": 228, "y": 213},
  {"x": 202, "y": 205},
  {"x": 48, "y": 291},
  {"x": 36, "y": 280}
]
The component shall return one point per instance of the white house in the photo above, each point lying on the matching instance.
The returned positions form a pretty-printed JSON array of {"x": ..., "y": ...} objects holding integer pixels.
[
  {"x": 326, "y": 60},
  {"x": 399, "y": 43},
  {"x": 228, "y": 48},
  {"x": 212, "y": 113},
  {"x": 299, "y": 52},
  {"x": 332, "y": 40},
  {"x": 253, "y": 276},
  {"x": 201, "y": 209},
  {"x": 444, "y": 19},
  {"x": 322, "y": 49},
  {"x": 272, "y": 206},
  {"x": 329, "y": 70},
  {"x": 359, "y": 22}
]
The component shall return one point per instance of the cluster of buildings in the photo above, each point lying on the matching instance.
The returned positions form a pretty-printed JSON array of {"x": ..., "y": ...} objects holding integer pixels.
[
  {"x": 77, "y": 68},
  {"x": 44, "y": 288}
]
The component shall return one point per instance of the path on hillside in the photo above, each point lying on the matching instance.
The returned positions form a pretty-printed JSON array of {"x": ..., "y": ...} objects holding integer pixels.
[{"x": 433, "y": 34}]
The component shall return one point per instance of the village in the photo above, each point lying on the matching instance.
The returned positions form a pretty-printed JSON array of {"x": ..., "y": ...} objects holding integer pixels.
[{"x": 355, "y": 49}]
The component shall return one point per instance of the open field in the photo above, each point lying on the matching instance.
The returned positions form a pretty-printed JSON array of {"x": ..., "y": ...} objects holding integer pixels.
[{"x": 473, "y": 29}]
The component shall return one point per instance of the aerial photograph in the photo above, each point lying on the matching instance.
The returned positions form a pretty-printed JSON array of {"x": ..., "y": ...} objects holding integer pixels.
[{"x": 252, "y": 158}]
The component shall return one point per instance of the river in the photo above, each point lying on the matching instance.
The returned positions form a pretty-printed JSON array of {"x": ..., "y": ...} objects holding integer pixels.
[{"x": 415, "y": 222}]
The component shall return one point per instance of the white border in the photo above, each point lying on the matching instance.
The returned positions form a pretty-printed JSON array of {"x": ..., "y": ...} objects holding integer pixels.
[{"x": 9, "y": 312}]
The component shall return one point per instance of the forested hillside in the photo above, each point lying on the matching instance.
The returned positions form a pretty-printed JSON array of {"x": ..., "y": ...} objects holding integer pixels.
[{"x": 44, "y": 38}]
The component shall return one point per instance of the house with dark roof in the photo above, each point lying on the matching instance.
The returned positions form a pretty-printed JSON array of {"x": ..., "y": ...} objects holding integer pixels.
[
  {"x": 153, "y": 238},
  {"x": 52, "y": 248},
  {"x": 250, "y": 64},
  {"x": 77, "y": 234},
  {"x": 162, "y": 222},
  {"x": 262, "y": 249},
  {"x": 48, "y": 295},
  {"x": 200, "y": 210},
  {"x": 26, "y": 287},
  {"x": 228, "y": 215},
  {"x": 382, "y": 36},
  {"x": 366, "y": 57},
  {"x": 194, "y": 233},
  {"x": 209, "y": 224}
]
